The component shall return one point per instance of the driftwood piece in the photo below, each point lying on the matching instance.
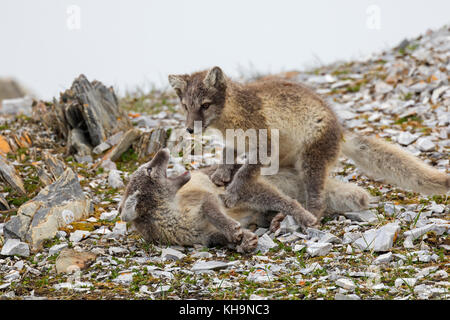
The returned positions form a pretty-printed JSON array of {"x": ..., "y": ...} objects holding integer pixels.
[
  {"x": 9, "y": 175},
  {"x": 86, "y": 115}
]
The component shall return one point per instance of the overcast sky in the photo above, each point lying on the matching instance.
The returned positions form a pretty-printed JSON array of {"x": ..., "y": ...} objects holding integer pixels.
[{"x": 45, "y": 44}]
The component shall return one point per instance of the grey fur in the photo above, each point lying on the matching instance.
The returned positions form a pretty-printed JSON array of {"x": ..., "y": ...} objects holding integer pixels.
[{"x": 187, "y": 210}]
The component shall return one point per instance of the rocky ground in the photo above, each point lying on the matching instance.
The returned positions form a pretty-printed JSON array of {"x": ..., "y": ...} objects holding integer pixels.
[{"x": 396, "y": 250}]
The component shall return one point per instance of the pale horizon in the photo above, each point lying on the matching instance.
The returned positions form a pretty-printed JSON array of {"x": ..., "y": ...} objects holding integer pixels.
[{"x": 129, "y": 44}]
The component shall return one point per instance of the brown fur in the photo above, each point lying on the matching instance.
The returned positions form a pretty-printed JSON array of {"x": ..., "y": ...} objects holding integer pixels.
[
  {"x": 310, "y": 135},
  {"x": 308, "y": 128}
]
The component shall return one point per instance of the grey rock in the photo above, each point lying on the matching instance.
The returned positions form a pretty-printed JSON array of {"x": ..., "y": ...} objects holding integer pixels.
[
  {"x": 70, "y": 260},
  {"x": 172, "y": 254},
  {"x": 124, "y": 278},
  {"x": 15, "y": 247},
  {"x": 260, "y": 275},
  {"x": 406, "y": 138},
  {"x": 109, "y": 216},
  {"x": 79, "y": 235},
  {"x": 125, "y": 142},
  {"x": 114, "y": 179},
  {"x": 340, "y": 296},
  {"x": 418, "y": 232},
  {"x": 425, "y": 144},
  {"x": 288, "y": 225},
  {"x": 383, "y": 258},
  {"x": 311, "y": 268},
  {"x": 10, "y": 176},
  {"x": 102, "y": 147},
  {"x": 350, "y": 237},
  {"x": 315, "y": 249},
  {"x": 57, "y": 248},
  {"x": 209, "y": 265},
  {"x": 202, "y": 254},
  {"x": 405, "y": 281},
  {"x": 378, "y": 240},
  {"x": 345, "y": 283},
  {"x": 361, "y": 216},
  {"x": 265, "y": 243},
  {"x": 55, "y": 206},
  {"x": 260, "y": 231}
]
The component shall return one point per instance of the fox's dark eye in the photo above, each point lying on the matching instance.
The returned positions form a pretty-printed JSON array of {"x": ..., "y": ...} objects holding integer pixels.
[
  {"x": 149, "y": 170},
  {"x": 205, "y": 106}
]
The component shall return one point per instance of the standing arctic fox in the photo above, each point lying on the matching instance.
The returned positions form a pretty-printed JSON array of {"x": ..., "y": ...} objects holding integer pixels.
[
  {"x": 310, "y": 135},
  {"x": 187, "y": 209}
]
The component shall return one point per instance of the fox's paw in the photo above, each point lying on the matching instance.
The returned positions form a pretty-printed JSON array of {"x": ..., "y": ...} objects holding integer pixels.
[
  {"x": 306, "y": 219},
  {"x": 234, "y": 233},
  {"x": 221, "y": 176},
  {"x": 275, "y": 223},
  {"x": 229, "y": 199},
  {"x": 249, "y": 242}
]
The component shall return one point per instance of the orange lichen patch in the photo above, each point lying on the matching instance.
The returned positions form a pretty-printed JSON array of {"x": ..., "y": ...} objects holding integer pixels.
[
  {"x": 395, "y": 237},
  {"x": 4, "y": 145},
  {"x": 85, "y": 226},
  {"x": 432, "y": 78},
  {"x": 27, "y": 138},
  {"x": 134, "y": 115}
]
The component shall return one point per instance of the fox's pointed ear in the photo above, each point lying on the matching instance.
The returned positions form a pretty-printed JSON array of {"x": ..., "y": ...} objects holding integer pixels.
[
  {"x": 128, "y": 208},
  {"x": 178, "y": 83},
  {"x": 214, "y": 78}
]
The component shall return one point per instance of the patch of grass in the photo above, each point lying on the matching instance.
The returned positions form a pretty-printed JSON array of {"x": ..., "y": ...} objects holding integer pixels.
[{"x": 409, "y": 119}]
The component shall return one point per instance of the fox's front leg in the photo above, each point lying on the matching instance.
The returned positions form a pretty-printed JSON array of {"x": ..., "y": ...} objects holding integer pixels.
[
  {"x": 229, "y": 227},
  {"x": 224, "y": 173},
  {"x": 237, "y": 190}
]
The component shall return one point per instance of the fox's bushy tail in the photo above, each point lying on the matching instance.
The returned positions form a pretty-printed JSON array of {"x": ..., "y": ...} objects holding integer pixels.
[{"x": 390, "y": 163}]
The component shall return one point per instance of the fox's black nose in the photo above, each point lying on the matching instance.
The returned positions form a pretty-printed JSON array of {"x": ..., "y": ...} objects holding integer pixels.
[{"x": 190, "y": 130}]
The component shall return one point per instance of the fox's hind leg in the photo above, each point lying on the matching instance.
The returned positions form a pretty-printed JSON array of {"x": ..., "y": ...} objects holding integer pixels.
[
  {"x": 261, "y": 196},
  {"x": 339, "y": 197},
  {"x": 229, "y": 229},
  {"x": 212, "y": 210},
  {"x": 344, "y": 197}
]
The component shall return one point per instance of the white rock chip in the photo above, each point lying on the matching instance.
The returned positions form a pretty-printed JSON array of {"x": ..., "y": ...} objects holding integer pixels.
[
  {"x": 406, "y": 138},
  {"x": 383, "y": 258},
  {"x": 57, "y": 248},
  {"x": 114, "y": 179},
  {"x": 362, "y": 216},
  {"x": 265, "y": 243},
  {"x": 109, "y": 216},
  {"x": 405, "y": 281},
  {"x": 15, "y": 247},
  {"x": 425, "y": 144},
  {"x": 209, "y": 265},
  {"x": 315, "y": 249},
  {"x": 340, "y": 296},
  {"x": 378, "y": 240},
  {"x": 345, "y": 283},
  {"x": 79, "y": 235},
  {"x": 172, "y": 254}
]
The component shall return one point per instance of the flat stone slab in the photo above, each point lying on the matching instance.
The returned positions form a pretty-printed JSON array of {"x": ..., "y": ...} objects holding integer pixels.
[
  {"x": 378, "y": 240},
  {"x": 14, "y": 247},
  {"x": 57, "y": 205},
  {"x": 70, "y": 260}
]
